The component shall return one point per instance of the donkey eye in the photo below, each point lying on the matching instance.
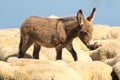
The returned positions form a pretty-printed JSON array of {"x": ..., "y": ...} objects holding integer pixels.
[{"x": 85, "y": 31}]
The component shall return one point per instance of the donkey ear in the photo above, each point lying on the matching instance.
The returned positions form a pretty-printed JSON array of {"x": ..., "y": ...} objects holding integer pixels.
[
  {"x": 91, "y": 16},
  {"x": 80, "y": 16}
]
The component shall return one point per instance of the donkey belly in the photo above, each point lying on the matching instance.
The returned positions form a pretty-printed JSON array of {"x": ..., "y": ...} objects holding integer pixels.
[
  {"x": 46, "y": 42},
  {"x": 46, "y": 38},
  {"x": 48, "y": 45}
]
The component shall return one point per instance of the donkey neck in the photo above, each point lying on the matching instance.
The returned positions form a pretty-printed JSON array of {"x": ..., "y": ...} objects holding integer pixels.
[
  {"x": 72, "y": 27},
  {"x": 72, "y": 33}
]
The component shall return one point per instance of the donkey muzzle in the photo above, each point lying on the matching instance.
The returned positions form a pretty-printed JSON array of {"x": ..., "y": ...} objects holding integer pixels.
[{"x": 92, "y": 45}]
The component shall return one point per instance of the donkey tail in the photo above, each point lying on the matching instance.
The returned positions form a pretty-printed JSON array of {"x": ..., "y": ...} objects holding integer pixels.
[
  {"x": 20, "y": 47},
  {"x": 21, "y": 42}
]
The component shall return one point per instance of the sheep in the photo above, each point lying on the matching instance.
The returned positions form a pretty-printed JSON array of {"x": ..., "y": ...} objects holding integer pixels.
[
  {"x": 107, "y": 49},
  {"x": 116, "y": 69},
  {"x": 31, "y": 69},
  {"x": 94, "y": 70}
]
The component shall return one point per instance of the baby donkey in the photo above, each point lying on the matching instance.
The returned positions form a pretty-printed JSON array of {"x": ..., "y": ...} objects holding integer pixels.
[{"x": 57, "y": 33}]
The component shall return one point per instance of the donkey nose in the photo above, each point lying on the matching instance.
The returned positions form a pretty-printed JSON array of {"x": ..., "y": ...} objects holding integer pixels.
[
  {"x": 89, "y": 44},
  {"x": 92, "y": 45}
]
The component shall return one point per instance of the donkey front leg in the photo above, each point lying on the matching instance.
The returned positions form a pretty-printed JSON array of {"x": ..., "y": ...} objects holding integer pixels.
[
  {"x": 72, "y": 51},
  {"x": 36, "y": 51},
  {"x": 59, "y": 53}
]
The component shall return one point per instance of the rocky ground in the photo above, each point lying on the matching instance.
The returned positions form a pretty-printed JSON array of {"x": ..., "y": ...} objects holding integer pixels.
[{"x": 99, "y": 64}]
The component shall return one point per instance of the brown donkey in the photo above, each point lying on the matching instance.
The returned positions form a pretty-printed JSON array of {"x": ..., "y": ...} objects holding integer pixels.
[{"x": 57, "y": 33}]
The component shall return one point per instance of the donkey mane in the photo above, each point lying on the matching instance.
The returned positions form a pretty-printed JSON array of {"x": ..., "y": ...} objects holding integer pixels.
[{"x": 67, "y": 18}]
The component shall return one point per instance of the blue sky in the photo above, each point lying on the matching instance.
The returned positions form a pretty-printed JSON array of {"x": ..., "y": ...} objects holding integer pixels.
[{"x": 14, "y": 12}]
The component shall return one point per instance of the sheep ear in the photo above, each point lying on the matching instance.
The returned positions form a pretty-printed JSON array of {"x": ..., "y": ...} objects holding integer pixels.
[
  {"x": 80, "y": 16},
  {"x": 91, "y": 16}
]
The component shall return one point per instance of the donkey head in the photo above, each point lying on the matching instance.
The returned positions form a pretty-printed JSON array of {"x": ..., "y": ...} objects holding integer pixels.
[{"x": 85, "y": 33}]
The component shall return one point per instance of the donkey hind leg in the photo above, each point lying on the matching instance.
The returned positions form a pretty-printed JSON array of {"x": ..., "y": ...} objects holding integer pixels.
[
  {"x": 36, "y": 51},
  {"x": 23, "y": 46},
  {"x": 59, "y": 53},
  {"x": 72, "y": 51}
]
